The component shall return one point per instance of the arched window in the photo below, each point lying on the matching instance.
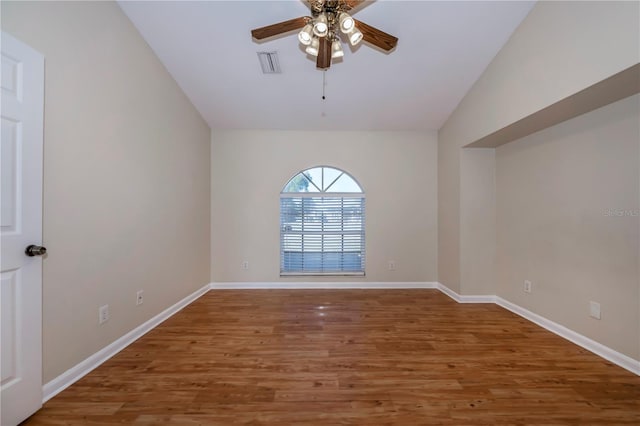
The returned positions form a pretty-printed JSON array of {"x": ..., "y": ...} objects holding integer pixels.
[{"x": 322, "y": 224}]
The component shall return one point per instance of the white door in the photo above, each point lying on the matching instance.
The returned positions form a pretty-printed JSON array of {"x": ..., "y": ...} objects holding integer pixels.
[{"x": 20, "y": 226}]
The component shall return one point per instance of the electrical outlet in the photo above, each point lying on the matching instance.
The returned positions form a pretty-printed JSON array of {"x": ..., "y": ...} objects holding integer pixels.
[
  {"x": 594, "y": 310},
  {"x": 245, "y": 265},
  {"x": 528, "y": 286},
  {"x": 392, "y": 265},
  {"x": 139, "y": 298},
  {"x": 103, "y": 314}
]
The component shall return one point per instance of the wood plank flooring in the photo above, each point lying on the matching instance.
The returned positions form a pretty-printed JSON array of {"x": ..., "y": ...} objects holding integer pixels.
[{"x": 331, "y": 357}]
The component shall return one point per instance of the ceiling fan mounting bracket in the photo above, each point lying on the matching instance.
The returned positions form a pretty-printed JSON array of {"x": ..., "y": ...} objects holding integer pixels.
[{"x": 318, "y": 6}]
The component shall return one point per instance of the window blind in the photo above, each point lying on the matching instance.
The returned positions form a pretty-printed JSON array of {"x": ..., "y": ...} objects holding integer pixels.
[{"x": 322, "y": 234}]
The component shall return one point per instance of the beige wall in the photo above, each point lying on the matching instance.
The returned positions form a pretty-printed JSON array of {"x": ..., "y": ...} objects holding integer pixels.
[
  {"x": 559, "y": 192},
  {"x": 558, "y": 50},
  {"x": 477, "y": 221},
  {"x": 448, "y": 212},
  {"x": 396, "y": 169},
  {"x": 126, "y": 169}
]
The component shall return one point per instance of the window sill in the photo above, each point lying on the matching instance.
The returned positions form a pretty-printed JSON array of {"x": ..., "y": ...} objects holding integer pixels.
[{"x": 322, "y": 274}]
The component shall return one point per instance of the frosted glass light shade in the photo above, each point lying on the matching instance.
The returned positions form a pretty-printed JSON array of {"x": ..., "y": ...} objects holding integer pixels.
[
  {"x": 305, "y": 35},
  {"x": 321, "y": 26},
  {"x": 312, "y": 49},
  {"x": 336, "y": 49},
  {"x": 347, "y": 24},
  {"x": 355, "y": 37}
]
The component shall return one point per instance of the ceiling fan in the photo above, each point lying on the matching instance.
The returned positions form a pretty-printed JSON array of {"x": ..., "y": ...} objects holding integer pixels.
[{"x": 320, "y": 32}]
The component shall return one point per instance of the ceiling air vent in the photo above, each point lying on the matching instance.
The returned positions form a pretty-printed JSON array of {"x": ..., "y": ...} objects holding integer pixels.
[{"x": 269, "y": 62}]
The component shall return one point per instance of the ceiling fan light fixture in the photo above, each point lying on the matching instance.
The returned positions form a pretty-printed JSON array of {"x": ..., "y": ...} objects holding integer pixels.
[
  {"x": 321, "y": 34},
  {"x": 321, "y": 26},
  {"x": 347, "y": 24},
  {"x": 313, "y": 47},
  {"x": 305, "y": 35},
  {"x": 336, "y": 49},
  {"x": 355, "y": 36}
]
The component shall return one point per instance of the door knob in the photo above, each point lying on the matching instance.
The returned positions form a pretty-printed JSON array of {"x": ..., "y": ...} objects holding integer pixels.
[{"x": 34, "y": 250}]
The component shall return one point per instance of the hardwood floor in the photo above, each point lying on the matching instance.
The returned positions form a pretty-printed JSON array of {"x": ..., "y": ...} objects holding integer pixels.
[{"x": 369, "y": 357}]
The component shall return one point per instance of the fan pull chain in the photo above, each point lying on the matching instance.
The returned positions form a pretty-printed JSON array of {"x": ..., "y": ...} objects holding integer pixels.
[{"x": 324, "y": 83}]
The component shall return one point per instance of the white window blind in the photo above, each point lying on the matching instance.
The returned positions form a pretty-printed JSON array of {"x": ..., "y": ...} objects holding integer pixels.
[{"x": 322, "y": 232}]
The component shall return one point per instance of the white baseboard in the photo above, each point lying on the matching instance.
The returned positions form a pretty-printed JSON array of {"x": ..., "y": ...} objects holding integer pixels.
[
  {"x": 286, "y": 285},
  {"x": 69, "y": 377},
  {"x": 464, "y": 298},
  {"x": 599, "y": 349}
]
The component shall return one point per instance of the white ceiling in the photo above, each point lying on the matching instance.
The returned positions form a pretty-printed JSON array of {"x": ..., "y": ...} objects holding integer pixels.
[{"x": 443, "y": 48}]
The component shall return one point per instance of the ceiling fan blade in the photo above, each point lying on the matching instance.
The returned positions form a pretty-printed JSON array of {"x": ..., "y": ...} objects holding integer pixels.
[
  {"x": 376, "y": 37},
  {"x": 324, "y": 54},
  {"x": 279, "y": 28}
]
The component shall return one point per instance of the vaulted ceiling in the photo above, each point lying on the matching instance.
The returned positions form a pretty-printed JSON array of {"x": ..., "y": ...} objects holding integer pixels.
[{"x": 443, "y": 48}]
